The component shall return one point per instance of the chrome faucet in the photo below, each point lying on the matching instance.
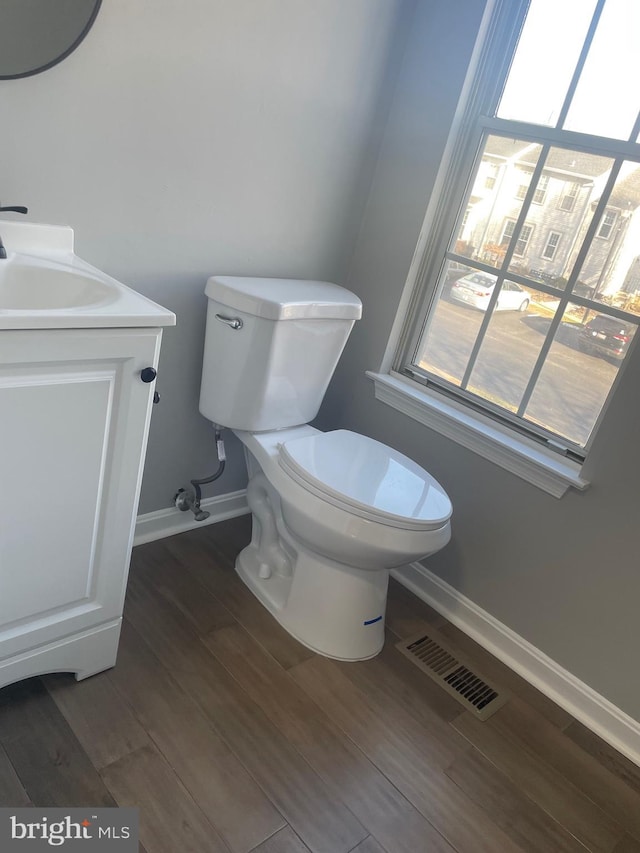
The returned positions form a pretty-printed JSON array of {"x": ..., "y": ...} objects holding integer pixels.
[{"x": 19, "y": 209}]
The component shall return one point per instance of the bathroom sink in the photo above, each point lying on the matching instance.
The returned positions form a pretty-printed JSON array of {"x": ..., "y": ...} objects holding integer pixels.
[
  {"x": 38, "y": 286},
  {"x": 45, "y": 285}
]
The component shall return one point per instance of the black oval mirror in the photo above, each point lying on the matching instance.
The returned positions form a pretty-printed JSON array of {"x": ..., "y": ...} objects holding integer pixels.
[{"x": 36, "y": 34}]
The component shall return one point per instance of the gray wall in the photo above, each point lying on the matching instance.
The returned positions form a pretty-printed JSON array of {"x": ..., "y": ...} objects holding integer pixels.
[
  {"x": 214, "y": 136},
  {"x": 239, "y": 136},
  {"x": 561, "y": 573}
]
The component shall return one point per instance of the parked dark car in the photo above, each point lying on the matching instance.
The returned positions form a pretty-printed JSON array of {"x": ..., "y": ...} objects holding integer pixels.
[{"x": 606, "y": 336}]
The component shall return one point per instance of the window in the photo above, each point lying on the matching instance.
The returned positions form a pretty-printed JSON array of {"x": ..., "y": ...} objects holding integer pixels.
[
  {"x": 490, "y": 174},
  {"x": 540, "y": 194},
  {"x": 552, "y": 244},
  {"x": 568, "y": 199},
  {"x": 523, "y": 237},
  {"x": 606, "y": 226},
  {"x": 556, "y": 134},
  {"x": 523, "y": 186}
]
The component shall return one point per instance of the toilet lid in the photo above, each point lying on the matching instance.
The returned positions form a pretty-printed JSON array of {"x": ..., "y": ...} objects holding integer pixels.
[{"x": 367, "y": 478}]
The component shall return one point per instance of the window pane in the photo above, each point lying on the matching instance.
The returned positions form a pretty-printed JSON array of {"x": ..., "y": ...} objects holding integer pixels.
[
  {"x": 550, "y": 43},
  {"x": 604, "y": 104},
  {"x": 452, "y": 331},
  {"x": 578, "y": 373},
  {"x": 547, "y": 247},
  {"x": 511, "y": 346},
  {"x": 611, "y": 270},
  {"x": 492, "y": 211}
]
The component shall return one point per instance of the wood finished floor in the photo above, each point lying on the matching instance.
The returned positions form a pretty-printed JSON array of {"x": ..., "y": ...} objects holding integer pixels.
[{"x": 231, "y": 736}]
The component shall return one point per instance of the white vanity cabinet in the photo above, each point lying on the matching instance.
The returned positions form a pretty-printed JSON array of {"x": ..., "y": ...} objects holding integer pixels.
[
  {"x": 75, "y": 406},
  {"x": 74, "y": 419}
]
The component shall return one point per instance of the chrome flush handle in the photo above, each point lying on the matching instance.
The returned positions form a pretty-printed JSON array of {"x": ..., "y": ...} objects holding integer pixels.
[{"x": 234, "y": 322}]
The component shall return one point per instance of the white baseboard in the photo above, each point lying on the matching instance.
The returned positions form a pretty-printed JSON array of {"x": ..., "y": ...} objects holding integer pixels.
[
  {"x": 167, "y": 522},
  {"x": 581, "y": 701}
]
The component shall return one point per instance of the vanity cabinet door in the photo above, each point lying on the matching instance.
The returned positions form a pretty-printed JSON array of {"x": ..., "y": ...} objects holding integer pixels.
[{"x": 74, "y": 418}]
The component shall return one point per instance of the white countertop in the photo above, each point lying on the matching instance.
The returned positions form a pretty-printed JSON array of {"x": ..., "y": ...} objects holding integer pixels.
[{"x": 44, "y": 285}]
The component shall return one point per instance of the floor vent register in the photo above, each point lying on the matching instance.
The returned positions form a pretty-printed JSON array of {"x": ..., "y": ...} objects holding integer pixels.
[{"x": 458, "y": 677}]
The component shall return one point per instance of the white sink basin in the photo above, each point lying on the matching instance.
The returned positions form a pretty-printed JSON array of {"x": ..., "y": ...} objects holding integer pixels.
[
  {"x": 44, "y": 285},
  {"x": 38, "y": 286}
]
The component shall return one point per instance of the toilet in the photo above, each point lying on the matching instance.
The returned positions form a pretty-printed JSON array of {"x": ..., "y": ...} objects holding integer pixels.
[{"x": 332, "y": 512}]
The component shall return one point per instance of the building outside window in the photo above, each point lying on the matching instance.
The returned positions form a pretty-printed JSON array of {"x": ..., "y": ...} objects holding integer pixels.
[{"x": 567, "y": 154}]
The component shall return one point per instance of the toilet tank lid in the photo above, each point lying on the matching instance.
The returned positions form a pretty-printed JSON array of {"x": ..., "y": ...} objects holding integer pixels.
[{"x": 284, "y": 298}]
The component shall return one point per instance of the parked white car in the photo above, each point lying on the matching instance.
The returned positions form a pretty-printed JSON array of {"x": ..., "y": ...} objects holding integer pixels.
[{"x": 476, "y": 288}]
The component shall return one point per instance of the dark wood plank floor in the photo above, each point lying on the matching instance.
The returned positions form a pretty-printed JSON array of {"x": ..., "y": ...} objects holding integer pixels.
[{"x": 231, "y": 736}]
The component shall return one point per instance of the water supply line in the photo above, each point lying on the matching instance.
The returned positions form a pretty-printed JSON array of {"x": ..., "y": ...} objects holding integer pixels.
[{"x": 189, "y": 498}]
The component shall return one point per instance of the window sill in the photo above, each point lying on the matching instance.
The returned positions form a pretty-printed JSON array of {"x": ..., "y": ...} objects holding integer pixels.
[{"x": 515, "y": 453}]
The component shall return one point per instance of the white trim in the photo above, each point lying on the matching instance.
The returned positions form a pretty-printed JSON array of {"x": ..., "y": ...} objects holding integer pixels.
[
  {"x": 412, "y": 284},
  {"x": 577, "y": 698},
  {"x": 167, "y": 522},
  {"x": 85, "y": 653},
  {"x": 523, "y": 457}
]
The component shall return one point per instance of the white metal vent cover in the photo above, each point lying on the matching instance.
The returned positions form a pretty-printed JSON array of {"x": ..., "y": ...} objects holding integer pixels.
[{"x": 459, "y": 677}]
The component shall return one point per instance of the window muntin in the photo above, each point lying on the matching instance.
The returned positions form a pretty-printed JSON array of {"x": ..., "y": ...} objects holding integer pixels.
[
  {"x": 445, "y": 351},
  {"x": 524, "y": 235},
  {"x": 502, "y": 240},
  {"x": 577, "y": 375},
  {"x": 538, "y": 97},
  {"x": 596, "y": 107},
  {"x": 490, "y": 377}
]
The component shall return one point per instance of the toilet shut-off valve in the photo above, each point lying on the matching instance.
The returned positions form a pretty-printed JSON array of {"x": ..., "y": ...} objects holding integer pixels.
[{"x": 190, "y": 497}]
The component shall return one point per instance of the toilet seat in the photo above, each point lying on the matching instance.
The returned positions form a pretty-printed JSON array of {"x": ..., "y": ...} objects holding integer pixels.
[{"x": 366, "y": 478}]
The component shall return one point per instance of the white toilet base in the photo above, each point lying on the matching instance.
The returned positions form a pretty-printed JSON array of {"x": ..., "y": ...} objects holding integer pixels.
[
  {"x": 332, "y": 609},
  {"x": 320, "y": 570}
]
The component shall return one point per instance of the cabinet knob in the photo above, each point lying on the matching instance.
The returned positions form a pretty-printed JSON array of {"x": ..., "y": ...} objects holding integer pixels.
[{"x": 148, "y": 374}]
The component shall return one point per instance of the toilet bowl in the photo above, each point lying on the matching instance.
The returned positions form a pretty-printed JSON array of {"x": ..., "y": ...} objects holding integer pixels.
[{"x": 332, "y": 511}]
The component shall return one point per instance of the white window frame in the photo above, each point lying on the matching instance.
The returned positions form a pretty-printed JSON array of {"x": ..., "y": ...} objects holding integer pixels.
[{"x": 539, "y": 464}]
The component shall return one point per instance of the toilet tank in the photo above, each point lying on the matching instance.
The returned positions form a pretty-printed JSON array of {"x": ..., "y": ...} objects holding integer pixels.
[{"x": 271, "y": 347}]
